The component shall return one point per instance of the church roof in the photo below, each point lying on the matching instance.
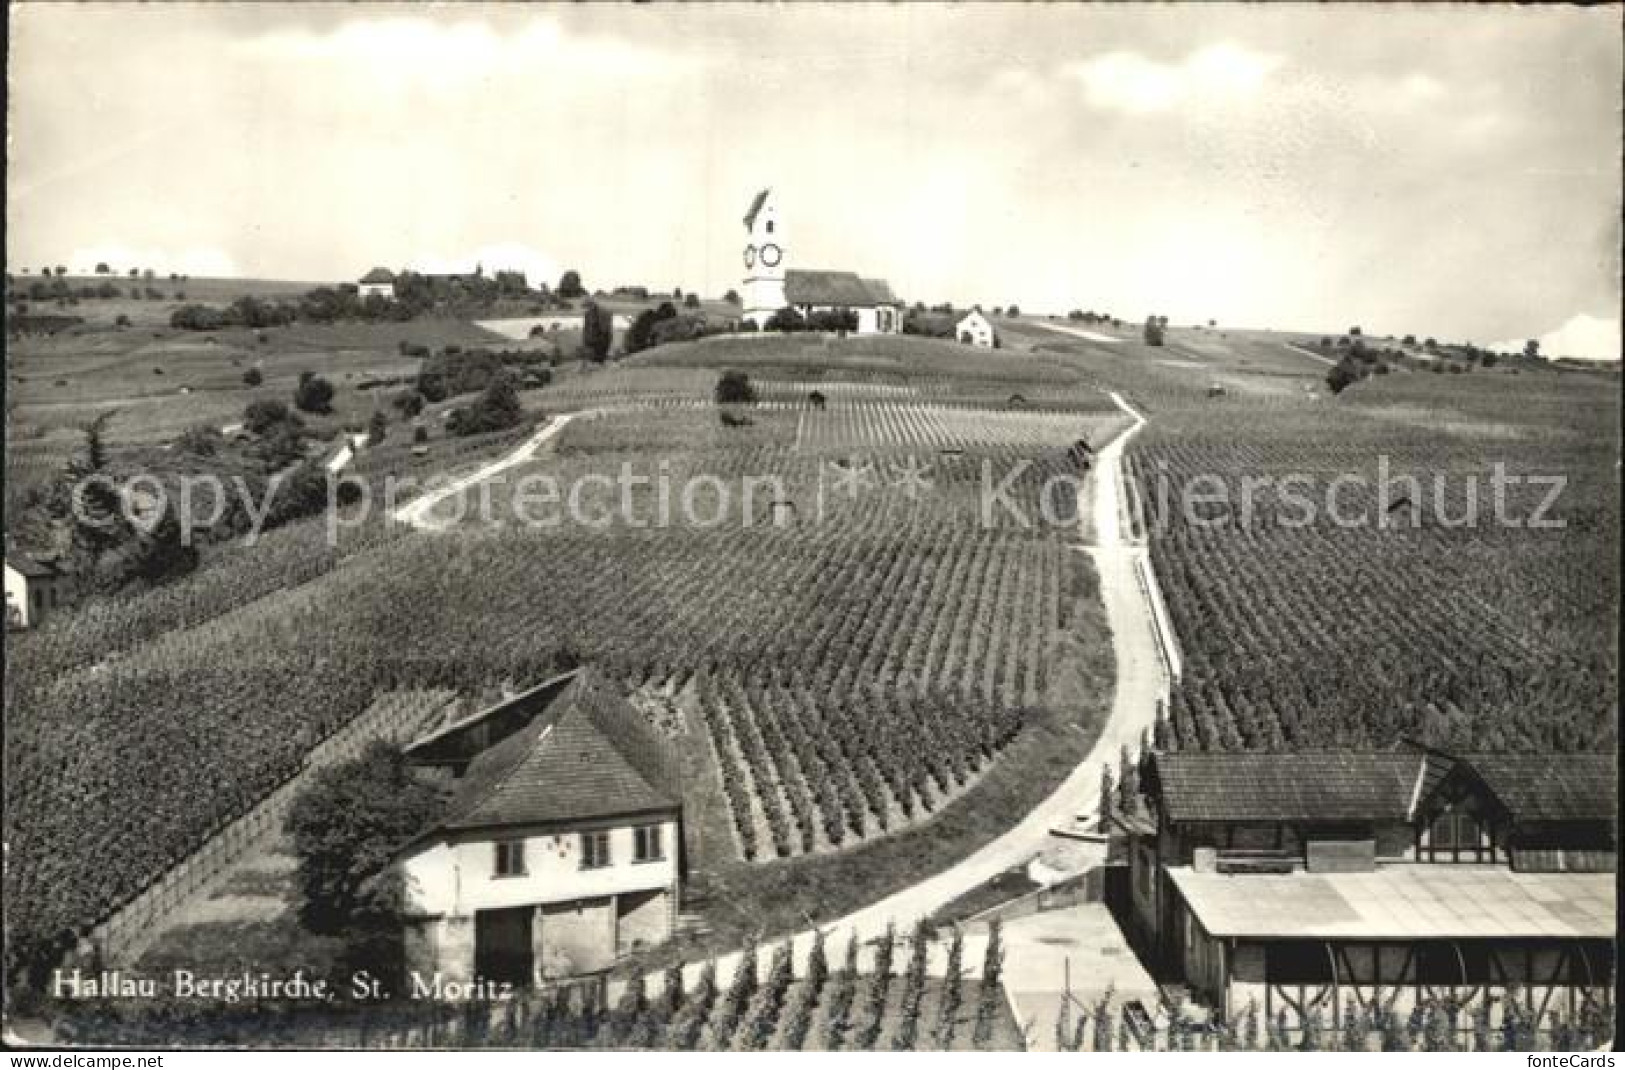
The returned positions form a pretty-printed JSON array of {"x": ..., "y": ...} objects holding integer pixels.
[
  {"x": 836, "y": 289},
  {"x": 756, "y": 206}
]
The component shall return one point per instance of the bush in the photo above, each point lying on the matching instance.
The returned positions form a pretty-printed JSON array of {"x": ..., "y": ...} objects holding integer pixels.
[
  {"x": 253, "y": 377},
  {"x": 261, "y": 416},
  {"x": 420, "y": 435},
  {"x": 410, "y": 402},
  {"x": 734, "y": 388},
  {"x": 497, "y": 409},
  {"x": 313, "y": 394},
  {"x": 1341, "y": 377},
  {"x": 786, "y": 319}
]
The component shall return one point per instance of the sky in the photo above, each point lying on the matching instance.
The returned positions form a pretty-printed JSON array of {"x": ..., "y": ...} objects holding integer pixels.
[{"x": 1452, "y": 170}]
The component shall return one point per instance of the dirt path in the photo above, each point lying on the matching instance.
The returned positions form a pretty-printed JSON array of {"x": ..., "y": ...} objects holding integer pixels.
[
  {"x": 417, "y": 511},
  {"x": 1311, "y": 355},
  {"x": 1142, "y": 680}
]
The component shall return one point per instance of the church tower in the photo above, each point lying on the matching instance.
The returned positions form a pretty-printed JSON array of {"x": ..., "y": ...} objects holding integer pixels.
[{"x": 763, "y": 294}]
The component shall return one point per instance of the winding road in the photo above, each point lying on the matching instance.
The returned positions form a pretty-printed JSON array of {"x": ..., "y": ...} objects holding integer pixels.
[{"x": 1141, "y": 645}]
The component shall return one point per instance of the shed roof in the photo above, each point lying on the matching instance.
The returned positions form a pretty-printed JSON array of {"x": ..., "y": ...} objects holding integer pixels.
[
  {"x": 1401, "y": 902},
  {"x": 379, "y": 274},
  {"x": 31, "y": 568},
  {"x": 756, "y": 206},
  {"x": 1551, "y": 787},
  {"x": 1320, "y": 786},
  {"x": 590, "y": 754}
]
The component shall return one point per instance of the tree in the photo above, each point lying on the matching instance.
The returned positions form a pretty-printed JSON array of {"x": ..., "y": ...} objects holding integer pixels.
[
  {"x": 640, "y": 335},
  {"x": 732, "y": 297},
  {"x": 377, "y": 428},
  {"x": 1154, "y": 329},
  {"x": 61, "y": 271},
  {"x": 1355, "y": 332},
  {"x": 135, "y": 273},
  {"x": 1013, "y": 311},
  {"x": 569, "y": 286},
  {"x": 597, "y": 331},
  {"x": 313, "y": 394},
  {"x": 346, "y": 825},
  {"x": 261, "y": 416},
  {"x": 691, "y": 301},
  {"x": 989, "y": 997},
  {"x": 1531, "y": 349},
  {"x": 786, "y": 319},
  {"x": 103, "y": 269},
  {"x": 734, "y": 388},
  {"x": 253, "y": 377}
]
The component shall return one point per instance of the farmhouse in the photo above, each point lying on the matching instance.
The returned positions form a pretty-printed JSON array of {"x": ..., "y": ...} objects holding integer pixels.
[
  {"x": 562, "y": 846},
  {"x": 973, "y": 329},
  {"x": 771, "y": 285},
  {"x": 1305, "y": 881},
  {"x": 33, "y": 587},
  {"x": 379, "y": 282}
]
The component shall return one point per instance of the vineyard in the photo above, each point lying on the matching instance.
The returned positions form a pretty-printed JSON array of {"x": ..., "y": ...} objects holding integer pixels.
[{"x": 844, "y": 676}]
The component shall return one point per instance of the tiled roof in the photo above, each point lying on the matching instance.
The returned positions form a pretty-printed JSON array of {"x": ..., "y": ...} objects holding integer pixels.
[
  {"x": 1401, "y": 902},
  {"x": 837, "y": 289},
  {"x": 1551, "y": 787},
  {"x": 589, "y": 755},
  {"x": 755, "y": 206},
  {"x": 1286, "y": 787},
  {"x": 379, "y": 274}
]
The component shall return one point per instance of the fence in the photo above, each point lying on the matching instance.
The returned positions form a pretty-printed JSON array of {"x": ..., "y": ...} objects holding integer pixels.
[{"x": 128, "y": 931}]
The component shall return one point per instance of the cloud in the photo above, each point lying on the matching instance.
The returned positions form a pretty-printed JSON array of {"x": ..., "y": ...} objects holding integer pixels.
[
  {"x": 1128, "y": 81},
  {"x": 202, "y": 262},
  {"x": 1583, "y": 336}
]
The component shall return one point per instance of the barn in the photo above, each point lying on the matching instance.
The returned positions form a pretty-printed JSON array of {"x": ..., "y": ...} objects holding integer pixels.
[
  {"x": 1310, "y": 883},
  {"x": 561, "y": 849}
]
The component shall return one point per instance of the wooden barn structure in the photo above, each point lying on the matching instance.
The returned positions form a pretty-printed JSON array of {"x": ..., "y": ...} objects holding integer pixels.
[{"x": 1310, "y": 883}]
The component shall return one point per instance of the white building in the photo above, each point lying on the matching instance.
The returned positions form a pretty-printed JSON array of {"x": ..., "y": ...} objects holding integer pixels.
[
  {"x": 33, "y": 588},
  {"x": 562, "y": 847},
  {"x": 379, "y": 282},
  {"x": 771, "y": 285},
  {"x": 974, "y": 329}
]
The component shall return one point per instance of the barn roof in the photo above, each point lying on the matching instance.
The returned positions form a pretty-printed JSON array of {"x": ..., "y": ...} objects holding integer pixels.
[
  {"x": 379, "y": 274},
  {"x": 1550, "y": 787},
  {"x": 1341, "y": 786},
  {"x": 756, "y": 206},
  {"x": 589, "y": 755},
  {"x": 838, "y": 289}
]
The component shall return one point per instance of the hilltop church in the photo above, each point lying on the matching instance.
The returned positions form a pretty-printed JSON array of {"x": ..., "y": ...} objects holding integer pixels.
[{"x": 771, "y": 285}]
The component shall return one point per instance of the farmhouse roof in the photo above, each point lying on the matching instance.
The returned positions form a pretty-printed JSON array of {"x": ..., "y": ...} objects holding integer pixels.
[
  {"x": 973, "y": 314},
  {"x": 590, "y": 754},
  {"x": 1346, "y": 786},
  {"x": 835, "y": 289},
  {"x": 881, "y": 291},
  {"x": 379, "y": 274},
  {"x": 755, "y": 207}
]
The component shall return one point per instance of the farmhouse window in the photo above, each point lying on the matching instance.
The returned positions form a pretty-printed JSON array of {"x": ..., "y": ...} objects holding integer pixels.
[
  {"x": 646, "y": 845},
  {"x": 594, "y": 850},
  {"x": 510, "y": 860}
]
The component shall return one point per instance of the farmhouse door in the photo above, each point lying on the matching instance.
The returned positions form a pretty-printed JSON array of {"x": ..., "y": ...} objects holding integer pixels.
[{"x": 502, "y": 945}]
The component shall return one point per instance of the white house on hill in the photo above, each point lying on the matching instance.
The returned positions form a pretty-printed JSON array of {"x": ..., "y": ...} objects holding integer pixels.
[
  {"x": 974, "y": 329},
  {"x": 771, "y": 285},
  {"x": 379, "y": 282},
  {"x": 562, "y": 846}
]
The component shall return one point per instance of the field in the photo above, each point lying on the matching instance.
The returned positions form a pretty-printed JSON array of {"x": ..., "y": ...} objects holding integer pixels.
[
  {"x": 858, "y": 696},
  {"x": 1398, "y": 616}
]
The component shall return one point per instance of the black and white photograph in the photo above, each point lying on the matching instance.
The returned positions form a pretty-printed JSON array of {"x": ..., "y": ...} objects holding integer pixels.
[{"x": 811, "y": 527}]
